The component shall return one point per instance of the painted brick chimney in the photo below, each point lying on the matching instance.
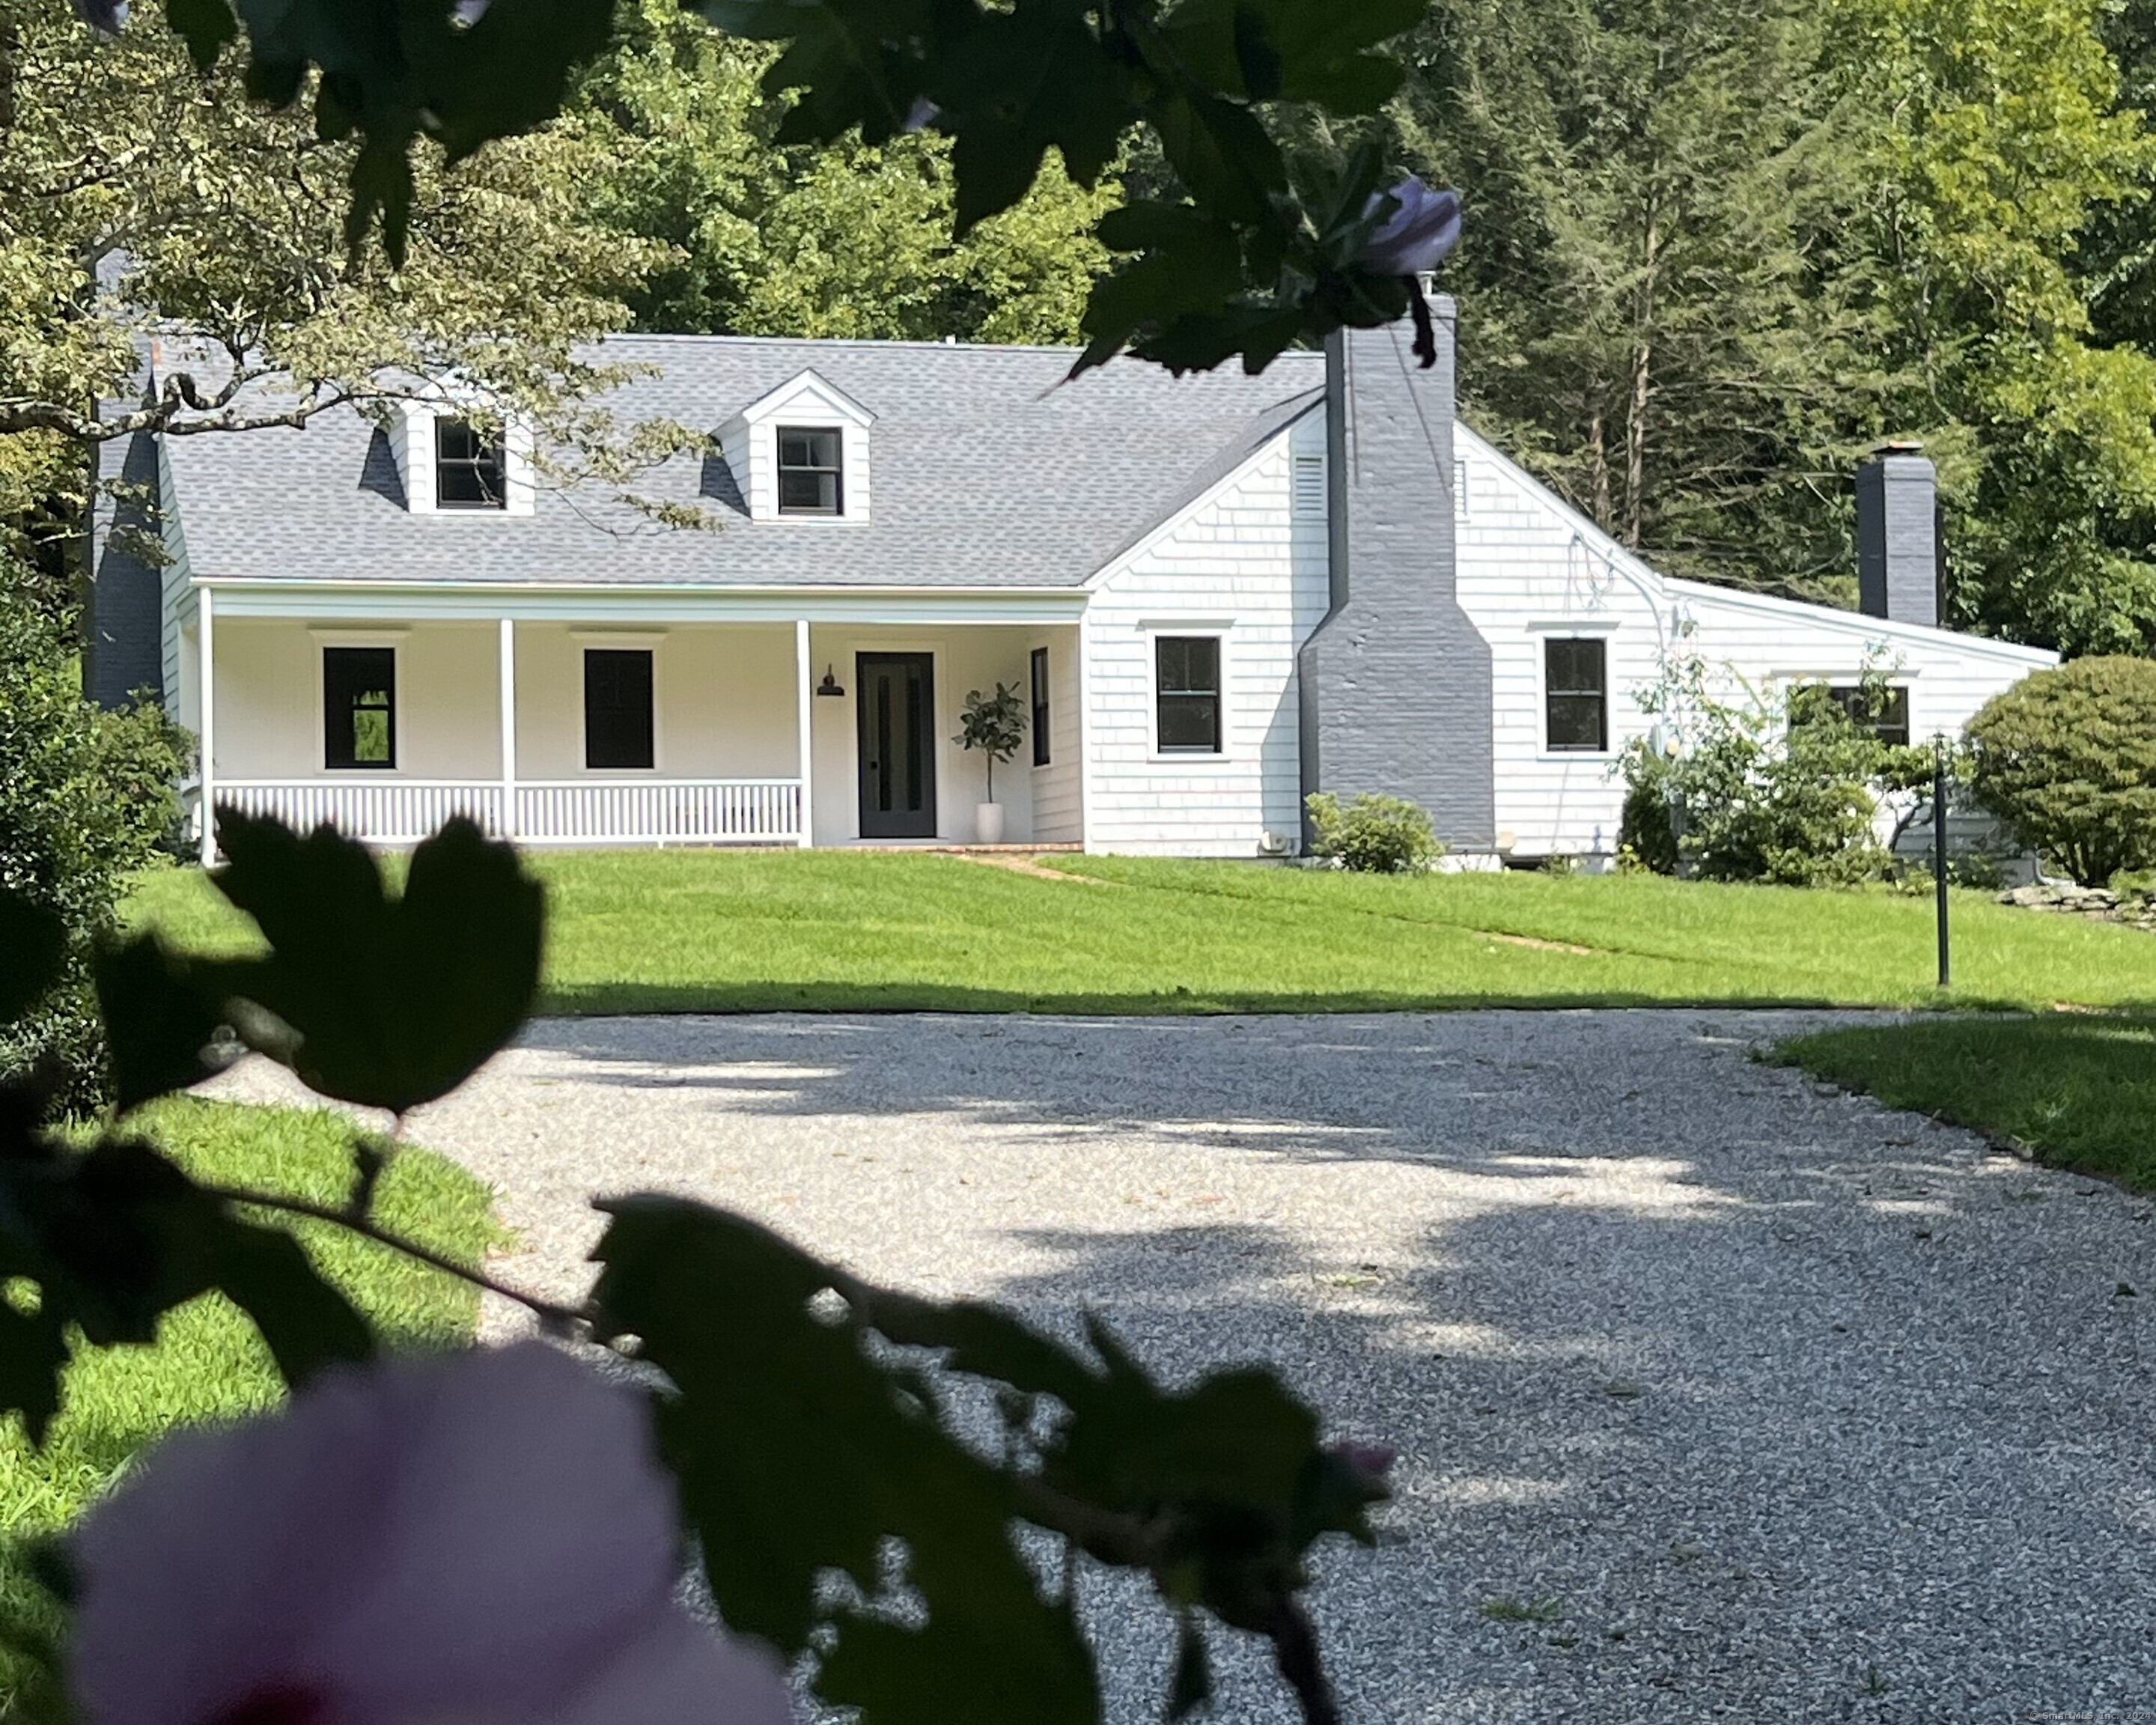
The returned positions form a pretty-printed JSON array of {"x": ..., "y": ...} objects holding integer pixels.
[
  {"x": 1897, "y": 535},
  {"x": 1394, "y": 684}
]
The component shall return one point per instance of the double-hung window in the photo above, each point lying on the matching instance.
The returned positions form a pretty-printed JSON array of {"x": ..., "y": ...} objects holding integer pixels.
[
  {"x": 359, "y": 707},
  {"x": 467, "y": 467},
  {"x": 1885, "y": 712},
  {"x": 1187, "y": 693},
  {"x": 1576, "y": 695},
  {"x": 1041, "y": 706},
  {"x": 811, "y": 471},
  {"x": 618, "y": 723}
]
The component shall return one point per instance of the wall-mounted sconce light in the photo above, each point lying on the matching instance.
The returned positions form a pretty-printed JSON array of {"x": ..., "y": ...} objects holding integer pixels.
[{"x": 829, "y": 686}]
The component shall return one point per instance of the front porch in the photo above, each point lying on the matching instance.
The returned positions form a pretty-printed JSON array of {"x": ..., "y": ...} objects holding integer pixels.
[{"x": 557, "y": 733}]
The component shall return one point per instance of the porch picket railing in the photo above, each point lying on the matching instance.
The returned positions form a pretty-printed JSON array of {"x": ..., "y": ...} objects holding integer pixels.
[
  {"x": 673, "y": 811},
  {"x": 701, "y": 811},
  {"x": 388, "y": 811}
]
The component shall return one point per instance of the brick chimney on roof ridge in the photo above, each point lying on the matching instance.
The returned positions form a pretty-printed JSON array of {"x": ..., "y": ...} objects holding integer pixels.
[{"x": 1897, "y": 535}]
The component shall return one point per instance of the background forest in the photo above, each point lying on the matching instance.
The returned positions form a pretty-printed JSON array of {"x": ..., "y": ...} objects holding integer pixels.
[{"x": 1714, "y": 252}]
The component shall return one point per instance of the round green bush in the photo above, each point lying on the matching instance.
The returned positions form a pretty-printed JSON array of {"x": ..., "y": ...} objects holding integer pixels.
[
  {"x": 1374, "y": 834},
  {"x": 2068, "y": 758}
]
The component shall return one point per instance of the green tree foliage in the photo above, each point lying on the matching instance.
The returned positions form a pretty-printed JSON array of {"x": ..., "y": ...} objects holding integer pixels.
[
  {"x": 2067, "y": 757},
  {"x": 1657, "y": 308},
  {"x": 1786, "y": 788},
  {"x": 85, "y": 796},
  {"x": 1716, "y": 252},
  {"x": 2000, "y": 143},
  {"x": 141, "y": 202},
  {"x": 1240, "y": 259},
  {"x": 844, "y": 239}
]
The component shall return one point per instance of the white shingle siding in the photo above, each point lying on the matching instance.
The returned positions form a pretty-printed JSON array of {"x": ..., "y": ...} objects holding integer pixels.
[
  {"x": 1057, "y": 816},
  {"x": 176, "y": 591},
  {"x": 412, "y": 437},
  {"x": 1530, "y": 569},
  {"x": 1243, "y": 564}
]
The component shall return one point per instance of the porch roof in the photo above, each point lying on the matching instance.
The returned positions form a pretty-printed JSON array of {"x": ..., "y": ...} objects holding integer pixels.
[{"x": 990, "y": 472}]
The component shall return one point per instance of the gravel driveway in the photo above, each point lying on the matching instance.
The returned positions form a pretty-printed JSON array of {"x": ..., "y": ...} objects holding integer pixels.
[{"x": 1720, "y": 1396}]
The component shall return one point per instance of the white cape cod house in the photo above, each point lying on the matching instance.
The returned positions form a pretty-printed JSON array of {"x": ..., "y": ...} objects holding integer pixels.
[{"x": 1216, "y": 594}]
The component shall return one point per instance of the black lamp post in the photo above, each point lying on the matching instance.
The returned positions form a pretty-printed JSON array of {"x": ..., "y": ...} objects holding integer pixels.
[{"x": 1939, "y": 852}]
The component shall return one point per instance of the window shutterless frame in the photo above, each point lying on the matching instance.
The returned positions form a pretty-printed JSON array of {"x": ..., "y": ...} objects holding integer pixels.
[
  {"x": 1576, "y": 695},
  {"x": 811, "y": 470},
  {"x": 1889, "y": 721},
  {"x": 359, "y": 708},
  {"x": 467, "y": 468},
  {"x": 1041, "y": 706},
  {"x": 1187, "y": 695},
  {"x": 619, "y": 734}
]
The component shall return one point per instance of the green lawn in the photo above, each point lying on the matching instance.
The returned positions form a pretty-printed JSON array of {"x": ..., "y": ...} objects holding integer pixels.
[
  {"x": 207, "y": 1363},
  {"x": 2079, "y": 1091},
  {"x": 691, "y": 930}
]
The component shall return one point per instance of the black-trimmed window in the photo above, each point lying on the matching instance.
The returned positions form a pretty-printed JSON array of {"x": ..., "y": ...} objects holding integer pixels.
[
  {"x": 467, "y": 467},
  {"x": 1041, "y": 706},
  {"x": 1576, "y": 695},
  {"x": 617, "y": 727},
  {"x": 812, "y": 477},
  {"x": 1884, "y": 711},
  {"x": 1187, "y": 693},
  {"x": 359, "y": 707}
]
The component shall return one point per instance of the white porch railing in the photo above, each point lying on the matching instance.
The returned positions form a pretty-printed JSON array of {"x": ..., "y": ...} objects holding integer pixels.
[
  {"x": 701, "y": 811},
  {"x": 402, "y": 811}
]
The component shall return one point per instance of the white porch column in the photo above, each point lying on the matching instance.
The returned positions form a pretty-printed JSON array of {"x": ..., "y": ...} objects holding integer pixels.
[
  {"x": 508, "y": 628},
  {"x": 806, "y": 703},
  {"x": 206, "y": 727}
]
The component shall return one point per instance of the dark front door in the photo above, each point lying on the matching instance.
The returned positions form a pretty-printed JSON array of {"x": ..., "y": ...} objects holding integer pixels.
[{"x": 898, "y": 744}]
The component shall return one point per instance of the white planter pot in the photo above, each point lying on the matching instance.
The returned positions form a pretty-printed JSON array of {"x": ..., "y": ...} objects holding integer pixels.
[{"x": 987, "y": 823}]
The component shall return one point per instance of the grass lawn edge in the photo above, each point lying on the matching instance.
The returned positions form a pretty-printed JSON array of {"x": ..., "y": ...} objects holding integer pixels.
[{"x": 2073, "y": 1091}]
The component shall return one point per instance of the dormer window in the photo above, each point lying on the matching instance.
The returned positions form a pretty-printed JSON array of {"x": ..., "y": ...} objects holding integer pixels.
[
  {"x": 467, "y": 467},
  {"x": 811, "y": 470}
]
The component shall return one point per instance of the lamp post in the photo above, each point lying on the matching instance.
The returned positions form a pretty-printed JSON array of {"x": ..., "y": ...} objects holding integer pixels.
[{"x": 1939, "y": 852}]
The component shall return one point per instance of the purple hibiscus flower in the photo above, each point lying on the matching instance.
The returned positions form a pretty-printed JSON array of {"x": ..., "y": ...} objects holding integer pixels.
[
  {"x": 1419, "y": 234},
  {"x": 485, "y": 1537}
]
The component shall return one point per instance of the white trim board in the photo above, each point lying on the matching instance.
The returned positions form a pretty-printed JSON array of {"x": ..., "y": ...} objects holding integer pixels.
[
  {"x": 1860, "y": 623},
  {"x": 649, "y": 607}
]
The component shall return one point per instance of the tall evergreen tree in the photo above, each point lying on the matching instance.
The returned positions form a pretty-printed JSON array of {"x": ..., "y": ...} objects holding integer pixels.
[
  {"x": 1716, "y": 251},
  {"x": 1662, "y": 311}
]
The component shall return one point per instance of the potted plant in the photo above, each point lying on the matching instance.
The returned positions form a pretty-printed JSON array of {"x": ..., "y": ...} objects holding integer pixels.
[{"x": 995, "y": 725}]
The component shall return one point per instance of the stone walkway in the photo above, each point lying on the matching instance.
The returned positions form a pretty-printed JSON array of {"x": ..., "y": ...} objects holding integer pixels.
[{"x": 1720, "y": 1395}]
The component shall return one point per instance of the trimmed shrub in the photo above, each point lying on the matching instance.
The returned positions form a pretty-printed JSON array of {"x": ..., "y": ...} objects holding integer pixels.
[
  {"x": 85, "y": 796},
  {"x": 1646, "y": 830},
  {"x": 1787, "y": 791},
  {"x": 1374, "y": 834},
  {"x": 2068, "y": 758}
]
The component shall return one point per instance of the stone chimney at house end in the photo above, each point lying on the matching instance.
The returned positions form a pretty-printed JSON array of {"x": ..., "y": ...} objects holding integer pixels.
[
  {"x": 1394, "y": 684},
  {"x": 1897, "y": 535}
]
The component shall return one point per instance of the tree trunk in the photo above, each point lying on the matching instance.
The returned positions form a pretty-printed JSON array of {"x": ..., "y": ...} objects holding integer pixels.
[
  {"x": 1598, "y": 453},
  {"x": 1643, "y": 373}
]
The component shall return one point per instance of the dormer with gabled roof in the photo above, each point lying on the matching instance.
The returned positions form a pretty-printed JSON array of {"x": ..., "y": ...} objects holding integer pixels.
[
  {"x": 449, "y": 464},
  {"x": 800, "y": 452}
]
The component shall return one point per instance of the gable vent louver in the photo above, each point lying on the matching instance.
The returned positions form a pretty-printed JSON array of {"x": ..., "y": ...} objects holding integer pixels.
[{"x": 1309, "y": 486}]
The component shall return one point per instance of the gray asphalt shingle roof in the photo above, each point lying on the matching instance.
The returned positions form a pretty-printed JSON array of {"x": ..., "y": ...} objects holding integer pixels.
[{"x": 985, "y": 474}]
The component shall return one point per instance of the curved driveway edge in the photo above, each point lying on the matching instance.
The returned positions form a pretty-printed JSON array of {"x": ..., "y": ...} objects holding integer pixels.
[{"x": 1721, "y": 1394}]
